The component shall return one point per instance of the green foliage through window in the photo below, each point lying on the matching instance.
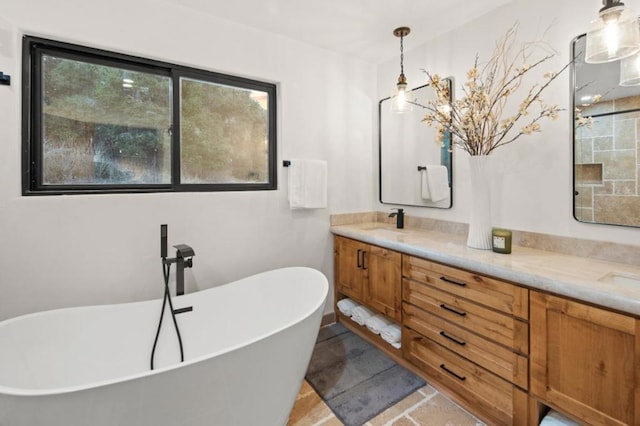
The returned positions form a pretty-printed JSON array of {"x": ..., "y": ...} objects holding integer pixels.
[{"x": 96, "y": 121}]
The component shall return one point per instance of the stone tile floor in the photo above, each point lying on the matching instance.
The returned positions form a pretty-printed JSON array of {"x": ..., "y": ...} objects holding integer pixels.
[{"x": 424, "y": 407}]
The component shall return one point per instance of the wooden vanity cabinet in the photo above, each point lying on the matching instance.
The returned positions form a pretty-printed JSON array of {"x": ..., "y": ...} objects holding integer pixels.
[
  {"x": 501, "y": 350},
  {"x": 469, "y": 334},
  {"x": 585, "y": 361},
  {"x": 350, "y": 275},
  {"x": 369, "y": 274}
]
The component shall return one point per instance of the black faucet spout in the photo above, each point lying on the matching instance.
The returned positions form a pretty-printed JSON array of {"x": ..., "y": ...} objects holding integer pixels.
[
  {"x": 399, "y": 215},
  {"x": 183, "y": 259}
]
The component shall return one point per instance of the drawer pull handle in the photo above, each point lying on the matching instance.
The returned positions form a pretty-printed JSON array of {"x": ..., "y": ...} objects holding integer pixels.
[
  {"x": 445, "y": 307},
  {"x": 453, "y": 339},
  {"x": 457, "y": 376},
  {"x": 364, "y": 260},
  {"x": 447, "y": 280}
]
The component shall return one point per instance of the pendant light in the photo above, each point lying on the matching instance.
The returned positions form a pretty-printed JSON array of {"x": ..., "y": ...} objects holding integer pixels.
[
  {"x": 630, "y": 70},
  {"x": 400, "y": 103},
  {"x": 613, "y": 35}
]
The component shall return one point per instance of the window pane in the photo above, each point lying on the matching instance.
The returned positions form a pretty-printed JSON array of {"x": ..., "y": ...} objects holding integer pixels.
[
  {"x": 224, "y": 134},
  {"x": 104, "y": 125}
]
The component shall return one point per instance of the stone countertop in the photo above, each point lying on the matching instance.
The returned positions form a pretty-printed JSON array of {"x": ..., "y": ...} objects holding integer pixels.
[{"x": 571, "y": 276}]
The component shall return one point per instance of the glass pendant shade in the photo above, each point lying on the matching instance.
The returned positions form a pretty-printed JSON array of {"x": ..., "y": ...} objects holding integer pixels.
[
  {"x": 614, "y": 35},
  {"x": 630, "y": 70},
  {"x": 400, "y": 103}
]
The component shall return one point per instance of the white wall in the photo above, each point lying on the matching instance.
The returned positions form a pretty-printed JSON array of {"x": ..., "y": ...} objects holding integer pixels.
[
  {"x": 532, "y": 181},
  {"x": 59, "y": 251},
  {"x": 75, "y": 250}
]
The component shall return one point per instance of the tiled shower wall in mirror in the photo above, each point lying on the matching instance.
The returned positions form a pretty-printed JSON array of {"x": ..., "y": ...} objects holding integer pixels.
[{"x": 607, "y": 168}]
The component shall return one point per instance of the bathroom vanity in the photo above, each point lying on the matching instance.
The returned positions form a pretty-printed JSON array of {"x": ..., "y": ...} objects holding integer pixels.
[{"x": 505, "y": 336}]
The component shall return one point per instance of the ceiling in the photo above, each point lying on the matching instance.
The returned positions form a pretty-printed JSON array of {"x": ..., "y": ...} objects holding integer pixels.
[{"x": 361, "y": 28}]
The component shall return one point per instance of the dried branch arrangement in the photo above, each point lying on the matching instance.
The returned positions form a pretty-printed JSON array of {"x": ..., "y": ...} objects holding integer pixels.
[{"x": 477, "y": 121}]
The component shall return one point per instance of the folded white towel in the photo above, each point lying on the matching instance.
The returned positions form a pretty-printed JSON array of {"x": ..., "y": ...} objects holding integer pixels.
[
  {"x": 307, "y": 184},
  {"x": 360, "y": 314},
  {"x": 424, "y": 185},
  {"x": 376, "y": 323},
  {"x": 346, "y": 306},
  {"x": 553, "y": 418},
  {"x": 396, "y": 345},
  {"x": 391, "y": 333},
  {"x": 438, "y": 182}
]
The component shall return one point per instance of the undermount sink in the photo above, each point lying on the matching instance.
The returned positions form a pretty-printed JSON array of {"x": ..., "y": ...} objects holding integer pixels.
[{"x": 621, "y": 278}]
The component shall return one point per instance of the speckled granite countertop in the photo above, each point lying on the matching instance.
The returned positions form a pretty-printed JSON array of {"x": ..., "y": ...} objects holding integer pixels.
[{"x": 576, "y": 277}]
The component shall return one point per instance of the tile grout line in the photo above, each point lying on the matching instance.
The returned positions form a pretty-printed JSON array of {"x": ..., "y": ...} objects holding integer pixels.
[
  {"x": 405, "y": 413},
  {"x": 411, "y": 419},
  {"x": 478, "y": 422},
  {"x": 428, "y": 397},
  {"x": 326, "y": 419}
]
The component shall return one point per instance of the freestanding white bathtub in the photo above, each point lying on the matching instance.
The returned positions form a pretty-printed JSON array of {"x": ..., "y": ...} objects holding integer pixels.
[{"x": 247, "y": 346}]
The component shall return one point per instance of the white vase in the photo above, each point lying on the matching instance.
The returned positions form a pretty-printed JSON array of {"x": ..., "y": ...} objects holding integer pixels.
[{"x": 479, "y": 236}]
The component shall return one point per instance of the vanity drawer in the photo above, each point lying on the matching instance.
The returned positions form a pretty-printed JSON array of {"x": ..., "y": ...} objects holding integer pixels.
[
  {"x": 503, "y": 329},
  {"x": 486, "y": 394},
  {"x": 495, "y": 358},
  {"x": 499, "y": 295}
]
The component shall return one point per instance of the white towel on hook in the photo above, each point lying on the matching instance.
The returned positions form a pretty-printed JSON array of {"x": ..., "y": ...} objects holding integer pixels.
[
  {"x": 438, "y": 182},
  {"x": 424, "y": 185},
  {"x": 307, "y": 184}
]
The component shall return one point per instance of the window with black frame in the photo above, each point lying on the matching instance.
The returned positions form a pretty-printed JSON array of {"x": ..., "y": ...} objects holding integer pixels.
[{"x": 97, "y": 121}]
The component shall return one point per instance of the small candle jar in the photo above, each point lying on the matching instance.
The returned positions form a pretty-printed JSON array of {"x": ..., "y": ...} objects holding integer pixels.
[{"x": 501, "y": 240}]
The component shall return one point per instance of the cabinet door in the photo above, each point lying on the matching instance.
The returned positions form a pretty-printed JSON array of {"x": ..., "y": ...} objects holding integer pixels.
[
  {"x": 383, "y": 291},
  {"x": 584, "y": 360},
  {"x": 350, "y": 275}
]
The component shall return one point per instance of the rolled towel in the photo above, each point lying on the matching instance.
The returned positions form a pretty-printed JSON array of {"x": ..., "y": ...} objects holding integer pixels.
[
  {"x": 553, "y": 418},
  {"x": 391, "y": 333},
  {"x": 360, "y": 314},
  {"x": 396, "y": 345},
  {"x": 346, "y": 306},
  {"x": 376, "y": 323}
]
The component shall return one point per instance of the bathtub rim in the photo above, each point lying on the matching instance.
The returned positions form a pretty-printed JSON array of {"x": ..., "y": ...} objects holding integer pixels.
[{"x": 22, "y": 392}]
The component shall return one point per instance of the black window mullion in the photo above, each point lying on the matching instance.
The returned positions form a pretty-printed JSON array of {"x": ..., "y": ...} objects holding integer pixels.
[
  {"x": 35, "y": 174},
  {"x": 176, "y": 132}
]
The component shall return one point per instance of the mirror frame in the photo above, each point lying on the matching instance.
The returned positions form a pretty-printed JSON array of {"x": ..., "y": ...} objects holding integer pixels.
[{"x": 445, "y": 160}]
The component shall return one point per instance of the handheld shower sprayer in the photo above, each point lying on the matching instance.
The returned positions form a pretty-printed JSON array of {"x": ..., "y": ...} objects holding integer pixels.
[
  {"x": 184, "y": 253},
  {"x": 163, "y": 241}
]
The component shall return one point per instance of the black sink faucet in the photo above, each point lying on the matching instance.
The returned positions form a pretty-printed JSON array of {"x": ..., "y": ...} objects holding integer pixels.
[{"x": 399, "y": 215}]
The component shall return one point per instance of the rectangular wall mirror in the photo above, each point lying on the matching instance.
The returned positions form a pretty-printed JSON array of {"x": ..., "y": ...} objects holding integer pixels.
[
  {"x": 415, "y": 169},
  {"x": 606, "y": 157}
]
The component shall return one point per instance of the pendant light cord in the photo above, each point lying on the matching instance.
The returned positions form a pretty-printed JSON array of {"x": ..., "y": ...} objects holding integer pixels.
[{"x": 401, "y": 55}]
